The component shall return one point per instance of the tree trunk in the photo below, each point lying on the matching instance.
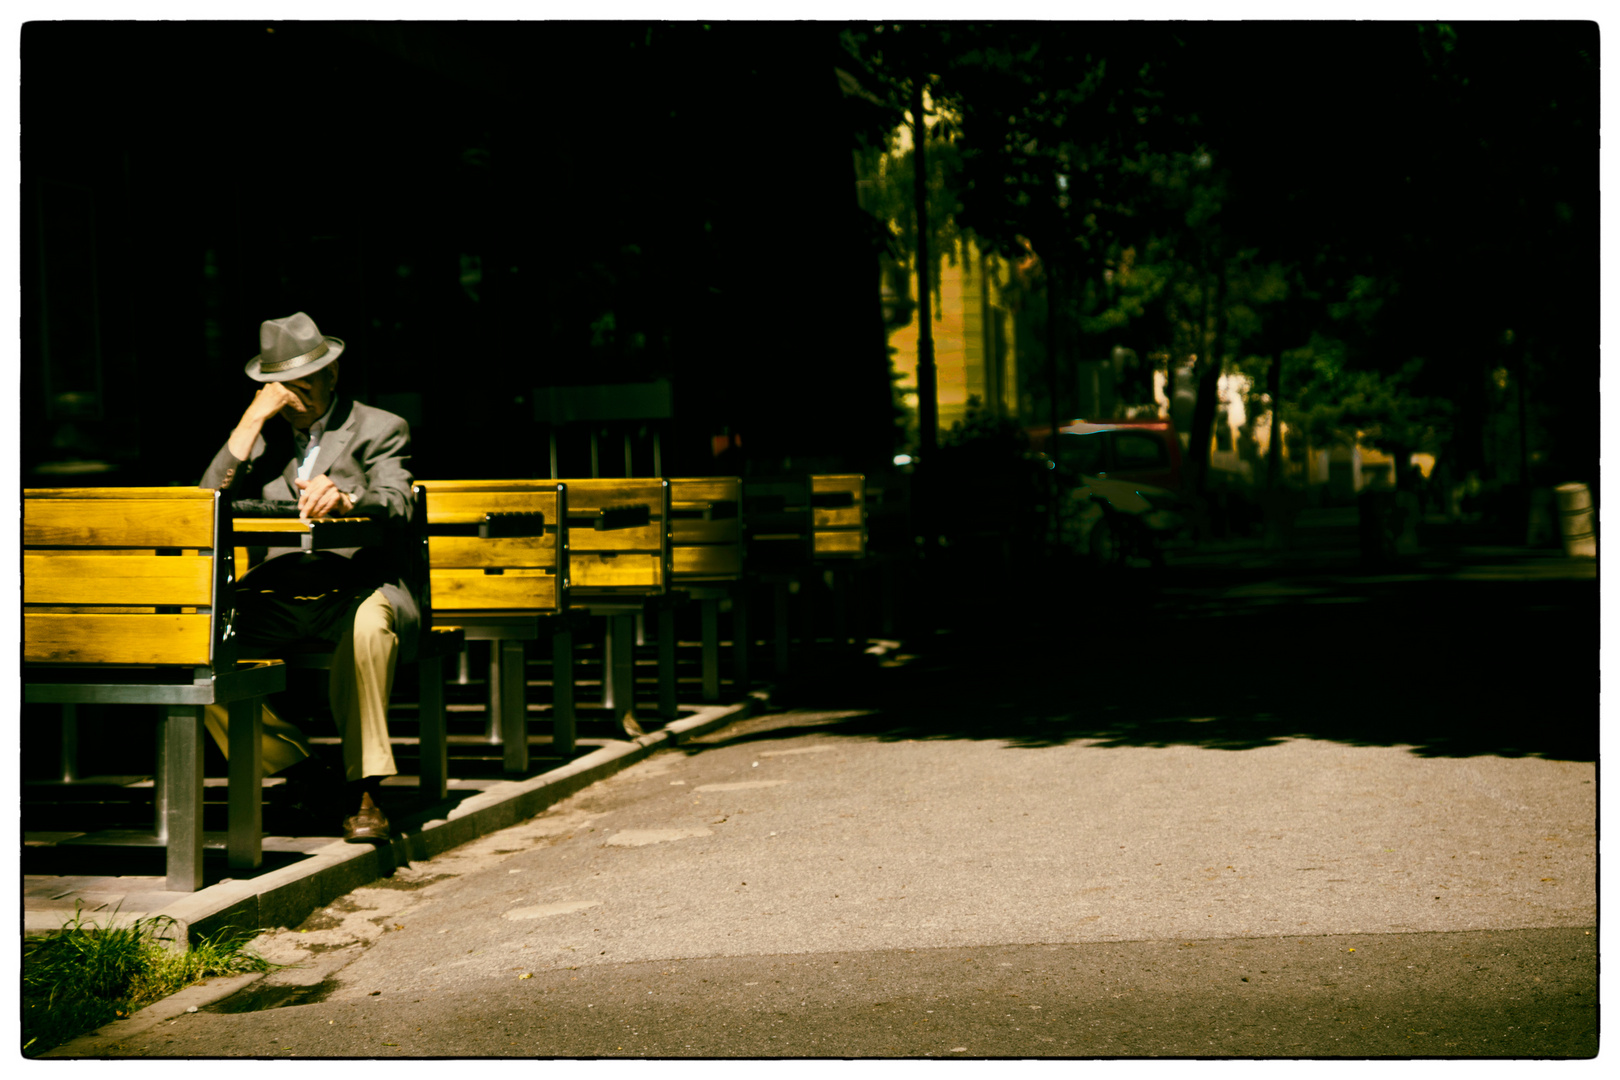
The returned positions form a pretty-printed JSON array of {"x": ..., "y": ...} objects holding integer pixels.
[
  {"x": 923, "y": 507},
  {"x": 1053, "y": 442},
  {"x": 1209, "y": 374},
  {"x": 1274, "y": 448},
  {"x": 927, "y": 377}
]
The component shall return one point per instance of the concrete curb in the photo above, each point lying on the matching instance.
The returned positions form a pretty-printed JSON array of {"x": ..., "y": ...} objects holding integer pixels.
[
  {"x": 286, "y": 897},
  {"x": 107, "y": 1038}
]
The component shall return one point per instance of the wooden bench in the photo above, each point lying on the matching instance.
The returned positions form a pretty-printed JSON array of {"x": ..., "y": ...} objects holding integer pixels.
[
  {"x": 499, "y": 571},
  {"x": 128, "y": 598},
  {"x": 619, "y": 566},
  {"x": 779, "y": 546},
  {"x": 707, "y": 565},
  {"x": 890, "y": 546},
  {"x": 838, "y": 503},
  {"x": 793, "y": 528},
  {"x": 434, "y": 644}
]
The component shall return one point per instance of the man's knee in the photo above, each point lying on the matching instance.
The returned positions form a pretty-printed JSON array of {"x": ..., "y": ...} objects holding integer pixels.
[{"x": 374, "y": 624}]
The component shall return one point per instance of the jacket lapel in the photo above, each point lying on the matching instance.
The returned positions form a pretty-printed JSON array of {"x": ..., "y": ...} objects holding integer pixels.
[{"x": 336, "y": 437}]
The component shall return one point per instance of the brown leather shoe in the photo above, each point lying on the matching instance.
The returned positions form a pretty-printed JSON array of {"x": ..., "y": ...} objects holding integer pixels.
[{"x": 369, "y": 825}]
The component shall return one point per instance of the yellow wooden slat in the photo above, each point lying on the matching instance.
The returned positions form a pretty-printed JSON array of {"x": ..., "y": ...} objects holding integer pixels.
[
  {"x": 115, "y": 639},
  {"x": 595, "y": 493},
  {"x": 274, "y": 525},
  {"x": 854, "y": 482},
  {"x": 473, "y": 590},
  {"x": 851, "y": 543},
  {"x": 114, "y": 609},
  {"x": 202, "y": 495},
  {"x": 843, "y": 517},
  {"x": 107, "y": 522},
  {"x": 60, "y": 578},
  {"x": 461, "y": 507},
  {"x": 647, "y": 538},
  {"x": 697, "y": 531},
  {"x": 435, "y": 487},
  {"x": 719, "y": 561},
  {"x": 516, "y": 551},
  {"x": 705, "y": 489},
  {"x": 590, "y": 571}
]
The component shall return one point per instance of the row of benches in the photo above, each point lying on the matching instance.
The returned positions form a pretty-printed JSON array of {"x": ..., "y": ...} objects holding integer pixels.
[{"x": 129, "y": 598}]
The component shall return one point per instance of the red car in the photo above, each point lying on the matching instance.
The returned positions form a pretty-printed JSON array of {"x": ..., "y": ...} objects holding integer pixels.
[
  {"x": 1128, "y": 473},
  {"x": 1139, "y": 451}
]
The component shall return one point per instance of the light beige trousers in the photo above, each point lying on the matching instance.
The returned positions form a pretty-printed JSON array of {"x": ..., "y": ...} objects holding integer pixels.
[{"x": 362, "y": 677}]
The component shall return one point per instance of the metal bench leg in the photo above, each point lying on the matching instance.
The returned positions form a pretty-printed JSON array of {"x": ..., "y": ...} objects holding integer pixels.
[
  {"x": 886, "y": 589},
  {"x": 507, "y": 684},
  {"x": 607, "y": 662},
  {"x": 710, "y": 610},
  {"x": 244, "y": 835},
  {"x": 562, "y": 692},
  {"x": 620, "y": 662},
  {"x": 667, "y": 706},
  {"x": 493, "y": 728},
  {"x": 840, "y": 590},
  {"x": 432, "y": 735},
  {"x": 807, "y": 600},
  {"x": 70, "y": 743},
  {"x": 859, "y": 578},
  {"x": 740, "y": 640},
  {"x": 784, "y": 633},
  {"x": 160, "y": 785},
  {"x": 182, "y": 796}
]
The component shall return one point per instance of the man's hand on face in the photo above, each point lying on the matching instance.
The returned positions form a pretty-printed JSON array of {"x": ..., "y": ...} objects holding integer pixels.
[
  {"x": 272, "y": 398},
  {"x": 320, "y": 498}
]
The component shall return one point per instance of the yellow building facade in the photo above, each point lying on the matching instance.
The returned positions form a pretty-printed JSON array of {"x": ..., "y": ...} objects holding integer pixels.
[{"x": 975, "y": 354}]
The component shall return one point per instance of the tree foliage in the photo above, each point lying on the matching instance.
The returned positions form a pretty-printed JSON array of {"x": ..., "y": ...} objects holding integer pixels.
[{"x": 1399, "y": 215}]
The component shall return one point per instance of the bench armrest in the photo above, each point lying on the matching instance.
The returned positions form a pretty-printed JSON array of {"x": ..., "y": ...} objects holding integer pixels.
[{"x": 319, "y": 534}]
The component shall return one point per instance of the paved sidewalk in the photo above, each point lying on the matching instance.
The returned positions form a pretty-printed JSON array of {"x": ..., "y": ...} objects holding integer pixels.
[
  {"x": 1233, "y": 846},
  {"x": 300, "y": 874}
]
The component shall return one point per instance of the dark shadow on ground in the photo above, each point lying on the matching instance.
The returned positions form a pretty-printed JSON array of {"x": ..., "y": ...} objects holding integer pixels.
[
  {"x": 140, "y": 860},
  {"x": 1242, "y": 659}
]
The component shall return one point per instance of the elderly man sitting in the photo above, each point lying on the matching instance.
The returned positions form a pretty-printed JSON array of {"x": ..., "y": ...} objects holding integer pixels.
[{"x": 334, "y": 456}]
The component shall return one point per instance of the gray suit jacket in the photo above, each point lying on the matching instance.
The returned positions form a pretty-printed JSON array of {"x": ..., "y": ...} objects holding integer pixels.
[{"x": 364, "y": 451}]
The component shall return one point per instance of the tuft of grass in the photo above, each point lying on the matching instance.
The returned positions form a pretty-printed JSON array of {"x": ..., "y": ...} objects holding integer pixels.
[{"x": 83, "y": 976}]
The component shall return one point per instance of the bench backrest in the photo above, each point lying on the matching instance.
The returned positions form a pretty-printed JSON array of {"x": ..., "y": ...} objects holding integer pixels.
[
  {"x": 778, "y": 528},
  {"x": 618, "y": 537},
  {"x": 839, "y": 508},
  {"x": 888, "y": 515},
  {"x": 518, "y": 566},
  {"x": 129, "y": 576},
  {"x": 707, "y": 529}
]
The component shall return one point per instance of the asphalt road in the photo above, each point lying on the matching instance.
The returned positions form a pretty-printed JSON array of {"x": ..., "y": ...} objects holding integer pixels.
[{"x": 1246, "y": 814}]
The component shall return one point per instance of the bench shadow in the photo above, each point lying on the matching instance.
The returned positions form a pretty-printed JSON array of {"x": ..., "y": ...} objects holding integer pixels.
[
  {"x": 1443, "y": 668},
  {"x": 109, "y": 860}
]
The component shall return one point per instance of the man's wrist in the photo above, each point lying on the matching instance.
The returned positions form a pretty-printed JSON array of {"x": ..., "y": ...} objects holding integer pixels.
[{"x": 246, "y": 433}]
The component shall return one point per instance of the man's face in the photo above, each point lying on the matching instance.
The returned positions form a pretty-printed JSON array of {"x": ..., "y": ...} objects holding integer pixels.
[{"x": 314, "y": 393}]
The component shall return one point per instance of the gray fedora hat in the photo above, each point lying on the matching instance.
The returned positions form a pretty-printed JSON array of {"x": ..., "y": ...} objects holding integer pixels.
[{"x": 291, "y": 348}]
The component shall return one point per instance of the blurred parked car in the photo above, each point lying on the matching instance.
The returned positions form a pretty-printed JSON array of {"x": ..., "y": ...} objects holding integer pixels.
[
  {"x": 1124, "y": 504},
  {"x": 1141, "y": 451}
]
